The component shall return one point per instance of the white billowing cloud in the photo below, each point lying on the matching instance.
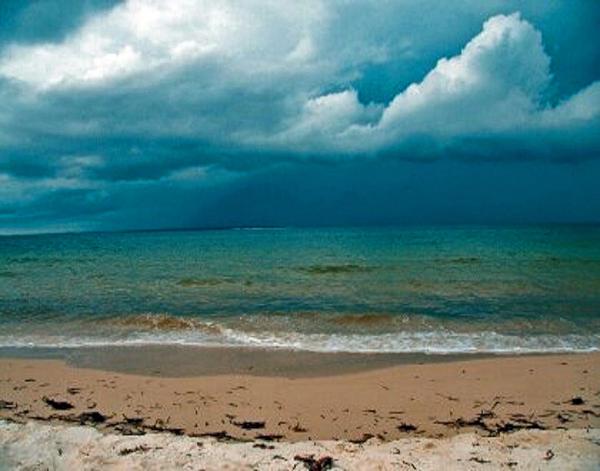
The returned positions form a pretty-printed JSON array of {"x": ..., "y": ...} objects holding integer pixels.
[
  {"x": 326, "y": 116},
  {"x": 218, "y": 72},
  {"x": 495, "y": 81},
  {"x": 494, "y": 85},
  {"x": 581, "y": 107},
  {"x": 257, "y": 75},
  {"x": 147, "y": 36}
]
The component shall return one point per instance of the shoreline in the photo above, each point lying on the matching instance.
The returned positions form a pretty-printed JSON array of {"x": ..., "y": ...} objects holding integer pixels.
[
  {"x": 174, "y": 361},
  {"x": 486, "y": 396}
]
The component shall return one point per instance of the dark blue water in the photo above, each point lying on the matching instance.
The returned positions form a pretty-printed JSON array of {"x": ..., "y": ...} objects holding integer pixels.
[{"x": 439, "y": 289}]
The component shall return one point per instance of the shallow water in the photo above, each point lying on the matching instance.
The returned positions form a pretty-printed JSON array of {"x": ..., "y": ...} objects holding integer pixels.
[{"x": 434, "y": 289}]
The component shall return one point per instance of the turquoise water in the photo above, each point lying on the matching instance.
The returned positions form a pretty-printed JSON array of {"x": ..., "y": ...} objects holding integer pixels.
[{"x": 439, "y": 289}]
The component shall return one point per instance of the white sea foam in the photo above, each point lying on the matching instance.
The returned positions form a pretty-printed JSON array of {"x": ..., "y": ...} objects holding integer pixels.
[{"x": 432, "y": 342}]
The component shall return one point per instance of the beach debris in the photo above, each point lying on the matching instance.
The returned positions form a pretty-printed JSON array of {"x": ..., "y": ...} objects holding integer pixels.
[
  {"x": 93, "y": 417},
  {"x": 135, "y": 420},
  {"x": 269, "y": 437},
  {"x": 131, "y": 426},
  {"x": 406, "y": 427},
  {"x": 58, "y": 405},
  {"x": 577, "y": 401},
  {"x": 137, "y": 449},
  {"x": 359, "y": 441},
  {"x": 549, "y": 455},
  {"x": 479, "y": 460},
  {"x": 127, "y": 429},
  {"x": 220, "y": 436},
  {"x": 250, "y": 424},
  {"x": 517, "y": 422},
  {"x": 314, "y": 464},
  {"x": 563, "y": 417},
  {"x": 73, "y": 391},
  {"x": 7, "y": 404},
  {"x": 173, "y": 430},
  {"x": 263, "y": 446},
  {"x": 298, "y": 428}
]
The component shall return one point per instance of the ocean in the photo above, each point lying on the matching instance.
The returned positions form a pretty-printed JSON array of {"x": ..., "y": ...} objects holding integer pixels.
[{"x": 418, "y": 289}]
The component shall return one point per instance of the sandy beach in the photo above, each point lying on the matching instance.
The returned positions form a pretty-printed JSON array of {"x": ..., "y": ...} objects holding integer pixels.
[
  {"x": 487, "y": 397},
  {"x": 59, "y": 447},
  {"x": 277, "y": 235}
]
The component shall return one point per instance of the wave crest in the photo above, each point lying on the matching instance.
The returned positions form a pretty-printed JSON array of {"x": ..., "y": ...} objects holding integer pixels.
[
  {"x": 428, "y": 342},
  {"x": 164, "y": 322}
]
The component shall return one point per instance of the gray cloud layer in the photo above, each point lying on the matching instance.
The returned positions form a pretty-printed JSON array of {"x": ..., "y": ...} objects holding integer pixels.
[{"x": 198, "y": 94}]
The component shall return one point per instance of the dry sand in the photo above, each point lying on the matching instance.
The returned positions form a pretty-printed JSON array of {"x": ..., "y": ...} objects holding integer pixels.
[
  {"x": 58, "y": 447},
  {"x": 483, "y": 398}
]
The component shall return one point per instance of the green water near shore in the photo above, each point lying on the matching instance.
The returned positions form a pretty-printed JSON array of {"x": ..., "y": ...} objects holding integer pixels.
[{"x": 429, "y": 289}]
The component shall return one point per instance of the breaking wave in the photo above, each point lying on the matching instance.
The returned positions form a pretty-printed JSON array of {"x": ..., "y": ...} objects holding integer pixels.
[
  {"x": 431, "y": 342},
  {"x": 162, "y": 322}
]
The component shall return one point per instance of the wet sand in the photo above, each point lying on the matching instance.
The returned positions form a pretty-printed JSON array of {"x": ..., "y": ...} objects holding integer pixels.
[
  {"x": 182, "y": 361},
  {"x": 486, "y": 396}
]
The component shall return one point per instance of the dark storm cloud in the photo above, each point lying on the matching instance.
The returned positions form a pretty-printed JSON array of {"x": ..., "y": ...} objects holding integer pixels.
[
  {"x": 45, "y": 20},
  {"x": 209, "y": 107}
]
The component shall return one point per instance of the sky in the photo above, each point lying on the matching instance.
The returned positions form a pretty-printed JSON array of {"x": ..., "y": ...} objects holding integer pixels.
[{"x": 145, "y": 114}]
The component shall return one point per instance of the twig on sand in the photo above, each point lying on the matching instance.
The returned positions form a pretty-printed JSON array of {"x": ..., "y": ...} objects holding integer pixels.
[
  {"x": 250, "y": 425},
  {"x": 137, "y": 449},
  {"x": 314, "y": 464},
  {"x": 58, "y": 405}
]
